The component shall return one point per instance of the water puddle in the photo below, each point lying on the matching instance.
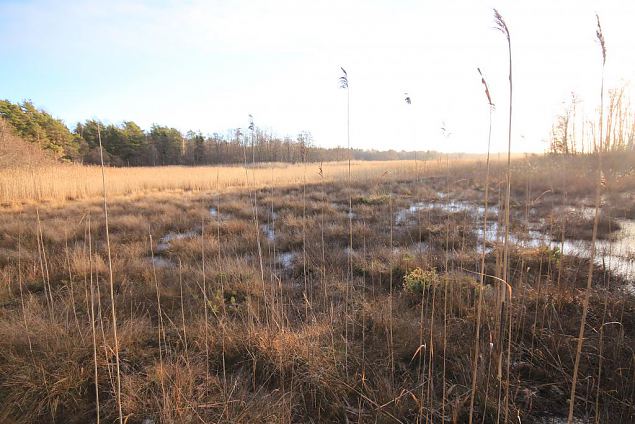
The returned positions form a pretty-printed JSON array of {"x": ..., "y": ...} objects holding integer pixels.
[
  {"x": 166, "y": 240},
  {"x": 616, "y": 254},
  {"x": 160, "y": 262},
  {"x": 344, "y": 208},
  {"x": 222, "y": 216},
  {"x": 268, "y": 231},
  {"x": 453, "y": 206},
  {"x": 585, "y": 212},
  {"x": 286, "y": 259},
  {"x": 164, "y": 245}
]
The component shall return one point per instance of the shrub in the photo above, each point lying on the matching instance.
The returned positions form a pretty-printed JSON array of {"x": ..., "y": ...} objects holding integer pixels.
[{"x": 417, "y": 280}]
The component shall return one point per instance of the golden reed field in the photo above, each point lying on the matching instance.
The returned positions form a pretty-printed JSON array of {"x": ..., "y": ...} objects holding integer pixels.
[
  {"x": 459, "y": 289},
  {"x": 59, "y": 182},
  {"x": 287, "y": 293}
]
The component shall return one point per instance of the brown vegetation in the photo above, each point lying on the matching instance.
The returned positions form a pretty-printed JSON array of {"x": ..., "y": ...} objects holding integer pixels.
[
  {"x": 269, "y": 327},
  {"x": 59, "y": 182},
  {"x": 17, "y": 153}
]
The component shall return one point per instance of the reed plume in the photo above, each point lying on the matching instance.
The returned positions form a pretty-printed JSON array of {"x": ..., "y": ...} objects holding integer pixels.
[
  {"x": 501, "y": 26},
  {"x": 596, "y": 218}
]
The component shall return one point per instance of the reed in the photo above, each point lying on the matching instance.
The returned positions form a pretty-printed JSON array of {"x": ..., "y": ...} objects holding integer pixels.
[
  {"x": 111, "y": 282},
  {"x": 501, "y": 25},
  {"x": 479, "y": 307},
  {"x": 596, "y": 217}
]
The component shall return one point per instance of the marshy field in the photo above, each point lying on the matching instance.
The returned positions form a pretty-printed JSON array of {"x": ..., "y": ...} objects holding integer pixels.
[
  {"x": 374, "y": 298},
  {"x": 155, "y": 274}
]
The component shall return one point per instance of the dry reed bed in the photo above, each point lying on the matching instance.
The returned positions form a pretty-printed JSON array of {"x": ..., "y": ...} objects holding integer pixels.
[
  {"x": 60, "y": 183},
  {"x": 70, "y": 182},
  {"x": 296, "y": 341}
]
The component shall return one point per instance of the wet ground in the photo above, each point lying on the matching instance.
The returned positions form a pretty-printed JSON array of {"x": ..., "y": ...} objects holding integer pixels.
[{"x": 614, "y": 252}]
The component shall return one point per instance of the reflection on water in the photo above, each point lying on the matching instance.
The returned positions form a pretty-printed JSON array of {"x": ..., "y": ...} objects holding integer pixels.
[
  {"x": 616, "y": 254},
  {"x": 453, "y": 206},
  {"x": 160, "y": 262},
  {"x": 286, "y": 259},
  {"x": 269, "y": 231},
  {"x": 164, "y": 242}
]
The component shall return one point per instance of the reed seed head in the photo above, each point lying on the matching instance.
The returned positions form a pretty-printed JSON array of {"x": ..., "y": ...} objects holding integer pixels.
[
  {"x": 500, "y": 24},
  {"x": 489, "y": 98},
  {"x": 600, "y": 37},
  {"x": 344, "y": 78}
]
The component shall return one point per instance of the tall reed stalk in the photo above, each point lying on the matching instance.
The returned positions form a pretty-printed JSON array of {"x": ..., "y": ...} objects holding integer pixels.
[
  {"x": 501, "y": 25},
  {"x": 596, "y": 218},
  {"x": 44, "y": 268},
  {"x": 205, "y": 299},
  {"x": 479, "y": 307},
  {"x": 92, "y": 322},
  {"x": 252, "y": 129},
  {"x": 110, "y": 279},
  {"x": 345, "y": 85}
]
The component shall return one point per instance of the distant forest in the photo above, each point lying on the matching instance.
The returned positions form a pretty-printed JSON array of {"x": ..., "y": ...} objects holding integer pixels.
[{"x": 129, "y": 145}]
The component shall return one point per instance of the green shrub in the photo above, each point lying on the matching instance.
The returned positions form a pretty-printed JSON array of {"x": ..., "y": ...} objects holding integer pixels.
[{"x": 417, "y": 280}]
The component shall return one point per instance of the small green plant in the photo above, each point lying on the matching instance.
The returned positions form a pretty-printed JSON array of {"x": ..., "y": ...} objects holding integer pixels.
[
  {"x": 417, "y": 280},
  {"x": 229, "y": 299},
  {"x": 553, "y": 254},
  {"x": 373, "y": 199}
]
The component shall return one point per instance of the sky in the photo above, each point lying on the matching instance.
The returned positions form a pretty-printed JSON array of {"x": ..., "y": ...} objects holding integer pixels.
[{"x": 206, "y": 65}]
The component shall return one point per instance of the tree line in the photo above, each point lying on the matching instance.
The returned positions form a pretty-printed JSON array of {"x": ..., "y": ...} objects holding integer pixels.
[{"x": 127, "y": 144}]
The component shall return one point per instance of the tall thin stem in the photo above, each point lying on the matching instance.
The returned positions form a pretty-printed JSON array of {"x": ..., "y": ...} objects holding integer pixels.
[
  {"x": 92, "y": 319},
  {"x": 502, "y": 26},
  {"x": 482, "y": 276},
  {"x": 110, "y": 278},
  {"x": 344, "y": 84},
  {"x": 598, "y": 198}
]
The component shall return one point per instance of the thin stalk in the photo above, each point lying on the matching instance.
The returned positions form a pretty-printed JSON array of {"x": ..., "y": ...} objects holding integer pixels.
[
  {"x": 484, "y": 242},
  {"x": 111, "y": 281},
  {"x": 92, "y": 319},
  {"x": 502, "y": 26},
  {"x": 160, "y": 334},
  {"x": 182, "y": 307},
  {"x": 46, "y": 282},
  {"x": 205, "y": 299},
  {"x": 598, "y": 198},
  {"x": 344, "y": 83},
  {"x": 71, "y": 288},
  {"x": 26, "y": 325}
]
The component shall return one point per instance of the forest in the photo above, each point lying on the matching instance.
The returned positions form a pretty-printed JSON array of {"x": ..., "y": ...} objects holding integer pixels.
[{"x": 127, "y": 144}]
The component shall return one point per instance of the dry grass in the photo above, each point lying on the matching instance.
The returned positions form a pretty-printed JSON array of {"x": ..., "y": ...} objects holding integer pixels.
[
  {"x": 59, "y": 183},
  {"x": 16, "y": 153},
  {"x": 300, "y": 340}
]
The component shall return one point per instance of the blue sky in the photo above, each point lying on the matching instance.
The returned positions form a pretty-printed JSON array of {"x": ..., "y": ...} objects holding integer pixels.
[{"x": 206, "y": 65}]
